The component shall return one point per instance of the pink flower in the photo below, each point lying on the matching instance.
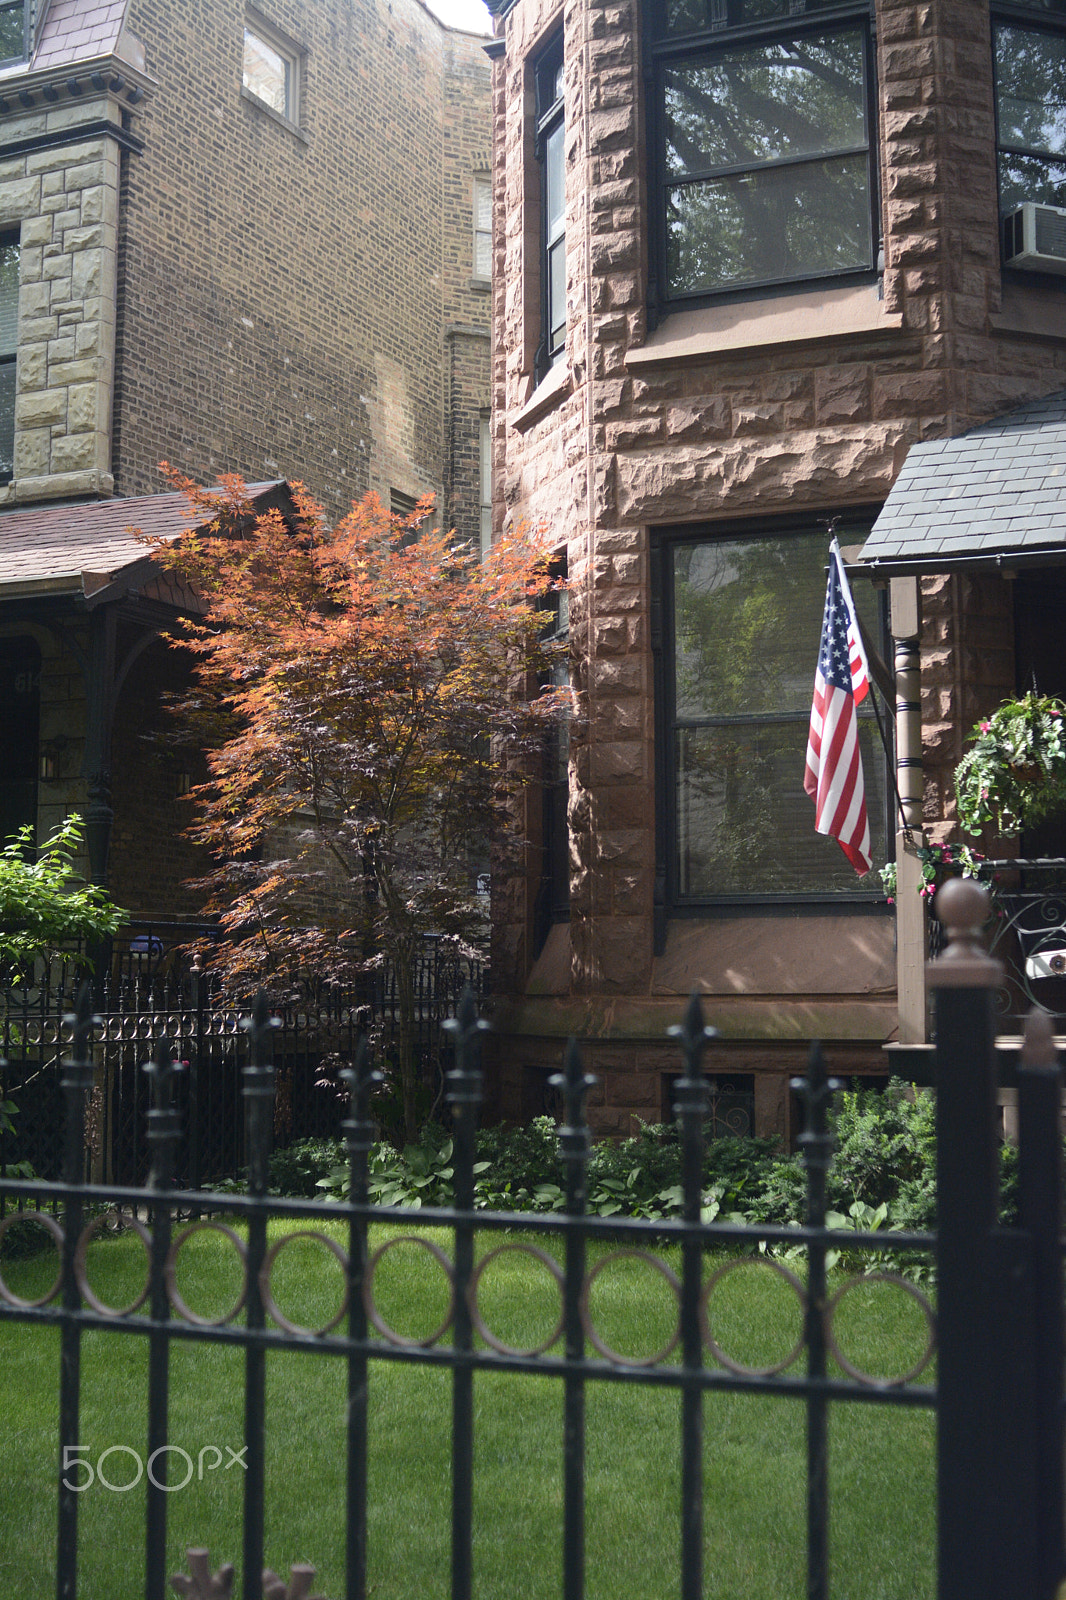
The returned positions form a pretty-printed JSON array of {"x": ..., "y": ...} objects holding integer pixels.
[{"x": 985, "y": 727}]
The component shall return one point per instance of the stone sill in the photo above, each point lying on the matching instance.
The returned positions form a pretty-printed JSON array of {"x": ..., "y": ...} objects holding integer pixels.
[
  {"x": 275, "y": 116},
  {"x": 810, "y": 317},
  {"x": 550, "y": 391},
  {"x": 762, "y": 1019},
  {"x": 59, "y": 486},
  {"x": 1033, "y": 311}
]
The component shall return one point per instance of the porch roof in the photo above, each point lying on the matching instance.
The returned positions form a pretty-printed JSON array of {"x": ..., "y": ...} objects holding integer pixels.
[
  {"x": 993, "y": 497},
  {"x": 87, "y": 547}
]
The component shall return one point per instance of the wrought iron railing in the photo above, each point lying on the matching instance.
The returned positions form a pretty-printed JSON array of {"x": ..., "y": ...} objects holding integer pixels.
[
  {"x": 152, "y": 985},
  {"x": 997, "y": 1332}
]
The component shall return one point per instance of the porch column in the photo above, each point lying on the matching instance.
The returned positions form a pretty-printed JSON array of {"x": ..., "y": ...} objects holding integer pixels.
[{"x": 905, "y": 600}]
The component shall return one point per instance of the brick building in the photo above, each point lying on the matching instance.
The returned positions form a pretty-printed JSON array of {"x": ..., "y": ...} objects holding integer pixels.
[
  {"x": 239, "y": 238},
  {"x": 747, "y": 258}
]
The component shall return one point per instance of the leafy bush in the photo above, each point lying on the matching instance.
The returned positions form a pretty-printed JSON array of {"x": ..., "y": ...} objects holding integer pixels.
[
  {"x": 297, "y": 1169},
  {"x": 882, "y": 1178},
  {"x": 885, "y": 1140}
]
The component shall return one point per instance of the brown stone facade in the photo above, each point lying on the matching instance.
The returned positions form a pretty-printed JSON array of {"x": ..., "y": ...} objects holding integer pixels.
[{"x": 802, "y": 401}]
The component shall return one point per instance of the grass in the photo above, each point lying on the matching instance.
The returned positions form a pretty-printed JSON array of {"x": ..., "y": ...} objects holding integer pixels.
[{"x": 882, "y": 1459}]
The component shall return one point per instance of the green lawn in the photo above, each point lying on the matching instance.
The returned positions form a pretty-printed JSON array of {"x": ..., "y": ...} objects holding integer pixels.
[{"x": 882, "y": 1459}]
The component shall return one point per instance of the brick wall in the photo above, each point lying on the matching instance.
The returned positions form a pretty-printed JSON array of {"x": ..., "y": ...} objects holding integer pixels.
[{"x": 284, "y": 294}]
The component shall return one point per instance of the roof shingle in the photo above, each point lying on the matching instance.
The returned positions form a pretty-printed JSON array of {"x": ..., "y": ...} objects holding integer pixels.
[{"x": 995, "y": 492}]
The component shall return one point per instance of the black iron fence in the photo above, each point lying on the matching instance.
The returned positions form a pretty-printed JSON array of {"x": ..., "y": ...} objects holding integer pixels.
[
  {"x": 150, "y": 985},
  {"x": 996, "y": 1333}
]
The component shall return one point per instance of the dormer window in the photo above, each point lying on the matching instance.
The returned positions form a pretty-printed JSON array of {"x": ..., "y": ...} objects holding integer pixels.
[{"x": 16, "y": 22}]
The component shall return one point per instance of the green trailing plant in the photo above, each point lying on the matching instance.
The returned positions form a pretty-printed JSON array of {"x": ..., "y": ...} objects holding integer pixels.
[
  {"x": 938, "y": 861},
  {"x": 1014, "y": 774}
]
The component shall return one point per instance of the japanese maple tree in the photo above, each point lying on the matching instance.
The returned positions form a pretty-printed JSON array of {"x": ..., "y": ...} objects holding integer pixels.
[{"x": 359, "y": 688}]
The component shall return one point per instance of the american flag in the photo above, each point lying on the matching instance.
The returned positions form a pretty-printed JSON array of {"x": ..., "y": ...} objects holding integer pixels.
[{"x": 834, "y": 766}]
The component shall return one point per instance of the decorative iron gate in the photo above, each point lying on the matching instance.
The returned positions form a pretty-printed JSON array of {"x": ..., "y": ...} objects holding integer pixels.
[
  {"x": 997, "y": 1334},
  {"x": 151, "y": 988}
]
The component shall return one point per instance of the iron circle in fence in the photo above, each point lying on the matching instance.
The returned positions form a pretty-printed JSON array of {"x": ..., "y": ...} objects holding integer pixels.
[
  {"x": 727, "y": 1361},
  {"x": 81, "y": 1253},
  {"x": 50, "y": 1225},
  {"x": 170, "y": 1274},
  {"x": 404, "y": 1341},
  {"x": 479, "y": 1322},
  {"x": 599, "y": 1344},
  {"x": 270, "y": 1304},
  {"x": 870, "y": 1379}
]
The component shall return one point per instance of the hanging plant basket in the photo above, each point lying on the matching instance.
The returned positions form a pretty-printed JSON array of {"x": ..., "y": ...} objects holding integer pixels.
[{"x": 1014, "y": 776}]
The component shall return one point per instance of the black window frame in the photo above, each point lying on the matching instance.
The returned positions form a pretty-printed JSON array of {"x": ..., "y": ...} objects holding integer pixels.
[
  {"x": 670, "y": 901},
  {"x": 1047, "y": 19},
  {"x": 721, "y": 31},
  {"x": 550, "y": 125}
]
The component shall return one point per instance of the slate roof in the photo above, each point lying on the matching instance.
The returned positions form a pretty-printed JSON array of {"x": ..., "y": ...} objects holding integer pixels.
[
  {"x": 77, "y": 30},
  {"x": 80, "y": 549},
  {"x": 994, "y": 493},
  {"x": 75, "y": 33}
]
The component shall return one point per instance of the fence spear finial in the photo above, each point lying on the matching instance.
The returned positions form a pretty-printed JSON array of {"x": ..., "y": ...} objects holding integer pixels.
[{"x": 203, "y": 1585}]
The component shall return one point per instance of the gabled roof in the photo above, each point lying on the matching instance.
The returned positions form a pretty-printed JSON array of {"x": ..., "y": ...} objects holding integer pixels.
[
  {"x": 82, "y": 549},
  {"x": 989, "y": 497}
]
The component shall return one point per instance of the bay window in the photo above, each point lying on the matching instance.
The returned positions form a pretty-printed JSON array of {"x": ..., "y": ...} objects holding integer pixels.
[
  {"x": 762, "y": 149},
  {"x": 1029, "y": 58},
  {"x": 741, "y": 623}
]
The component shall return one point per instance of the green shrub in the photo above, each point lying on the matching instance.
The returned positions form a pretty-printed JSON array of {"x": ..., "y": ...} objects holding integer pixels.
[{"x": 296, "y": 1170}]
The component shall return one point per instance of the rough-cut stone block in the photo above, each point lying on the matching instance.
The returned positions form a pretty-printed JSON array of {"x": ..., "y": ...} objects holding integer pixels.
[{"x": 35, "y": 409}]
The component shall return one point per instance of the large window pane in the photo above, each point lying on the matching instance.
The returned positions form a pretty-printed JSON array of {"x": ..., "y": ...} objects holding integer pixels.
[
  {"x": 12, "y": 31},
  {"x": 1031, "y": 90},
  {"x": 745, "y": 824},
  {"x": 771, "y": 225},
  {"x": 796, "y": 97},
  {"x": 747, "y": 616},
  {"x": 738, "y": 606}
]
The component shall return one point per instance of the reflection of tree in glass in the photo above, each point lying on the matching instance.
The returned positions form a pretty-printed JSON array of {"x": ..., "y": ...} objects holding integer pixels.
[
  {"x": 1031, "y": 106},
  {"x": 1030, "y": 85},
  {"x": 738, "y": 608},
  {"x": 752, "y": 108},
  {"x": 730, "y": 842},
  {"x": 752, "y": 105}
]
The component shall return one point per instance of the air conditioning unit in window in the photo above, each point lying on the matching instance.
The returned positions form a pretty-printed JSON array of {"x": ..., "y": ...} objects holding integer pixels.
[{"x": 1034, "y": 238}]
